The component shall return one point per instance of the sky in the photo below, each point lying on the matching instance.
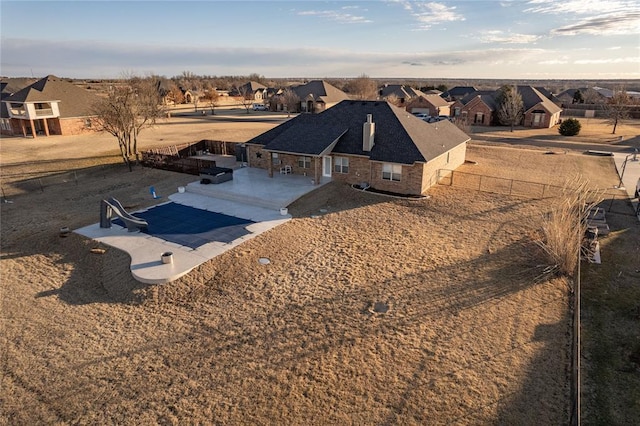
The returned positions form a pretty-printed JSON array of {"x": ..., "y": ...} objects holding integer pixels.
[{"x": 507, "y": 39}]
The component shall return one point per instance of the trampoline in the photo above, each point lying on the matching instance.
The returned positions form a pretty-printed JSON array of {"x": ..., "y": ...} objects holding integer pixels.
[{"x": 189, "y": 226}]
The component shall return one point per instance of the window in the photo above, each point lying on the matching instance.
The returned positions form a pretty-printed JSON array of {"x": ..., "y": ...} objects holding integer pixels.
[
  {"x": 479, "y": 118},
  {"x": 391, "y": 172},
  {"x": 341, "y": 165},
  {"x": 275, "y": 160},
  {"x": 304, "y": 162},
  {"x": 456, "y": 111}
]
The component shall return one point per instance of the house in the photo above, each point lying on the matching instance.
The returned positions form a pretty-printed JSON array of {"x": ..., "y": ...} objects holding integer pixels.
[
  {"x": 49, "y": 106},
  {"x": 398, "y": 94},
  {"x": 539, "y": 111},
  {"x": 478, "y": 108},
  {"x": 318, "y": 95},
  {"x": 251, "y": 90},
  {"x": 433, "y": 105},
  {"x": 358, "y": 142},
  {"x": 458, "y": 92}
]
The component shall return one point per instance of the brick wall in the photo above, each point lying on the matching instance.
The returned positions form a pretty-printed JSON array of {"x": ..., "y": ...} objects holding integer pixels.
[
  {"x": 257, "y": 157},
  {"x": 547, "y": 121},
  {"x": 475, "y": 106},
  {"x": 359, "y": 168}
]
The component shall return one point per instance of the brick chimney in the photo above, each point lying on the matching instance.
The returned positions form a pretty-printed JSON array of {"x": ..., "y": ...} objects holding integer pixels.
[{"x": 368, "y": 133}]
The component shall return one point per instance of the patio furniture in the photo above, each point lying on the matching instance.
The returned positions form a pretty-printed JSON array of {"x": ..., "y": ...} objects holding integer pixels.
[
  {"x": 216, "y": 174},
  {"x": 286, "y": 170}
]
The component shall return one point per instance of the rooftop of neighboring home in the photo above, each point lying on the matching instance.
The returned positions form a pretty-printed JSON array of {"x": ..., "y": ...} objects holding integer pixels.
[
  {"x": 458, "y": 92},
  {"x": 399, "y": 137},
  {"x": 73, "y": 100},
  {"x": 400, "y": 91},
  {"x": 486, "y": 96},
  {"x": 532, "y": 97},
  {"x": 320, "y": 90}
]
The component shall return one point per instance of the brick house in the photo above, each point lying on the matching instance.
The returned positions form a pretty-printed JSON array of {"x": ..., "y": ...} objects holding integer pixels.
[
  {"x": 318, "y": 95},
  {"x": 358, "y": 142},
  {"x": 539, "y": 111},
  {"x": 50, "y": 106},
  {"x": 478, "y": 108},
  {"x": 434, "y": 105}
]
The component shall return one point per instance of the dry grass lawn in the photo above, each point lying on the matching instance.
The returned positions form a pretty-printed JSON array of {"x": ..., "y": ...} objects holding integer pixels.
[{"x": 471, "y": 334}]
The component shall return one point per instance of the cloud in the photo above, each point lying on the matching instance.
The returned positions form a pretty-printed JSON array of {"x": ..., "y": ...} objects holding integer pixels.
[
  {"x": 554, "y": 62},
  {"x": 582, "y": 7},
  {"x": 335, "y": 16},
  {"x": 496, "y": 36},
  {"x": 614, "y": 24},
  {"x": 630, "y": 59},
  {"x": 428, "y": 14}
]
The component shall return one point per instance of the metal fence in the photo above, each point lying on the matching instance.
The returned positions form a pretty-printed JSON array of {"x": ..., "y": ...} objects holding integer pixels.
[{"x": 614, "y": 200}]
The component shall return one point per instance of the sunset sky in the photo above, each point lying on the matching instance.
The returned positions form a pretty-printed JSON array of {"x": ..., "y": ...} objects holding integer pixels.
[{"x": 536, "y": 39}]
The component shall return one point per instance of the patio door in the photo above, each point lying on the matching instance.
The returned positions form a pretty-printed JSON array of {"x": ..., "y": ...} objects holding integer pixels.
[{"x": 326, "y": 166}]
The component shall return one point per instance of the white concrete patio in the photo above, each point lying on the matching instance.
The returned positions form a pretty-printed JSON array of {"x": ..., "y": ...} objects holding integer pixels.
[{"x": 250, "y": 195}]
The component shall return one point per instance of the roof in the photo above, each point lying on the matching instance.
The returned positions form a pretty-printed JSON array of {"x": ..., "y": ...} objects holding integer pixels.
[
  {"x": 399, "y": 91},
  {"x": 10, "y": 86},
  {"x": 532, "y": 97},
  {"x": 399, "y": 137},
  {"x": 435, "y": 100},
  {"x": 73, "y": 100},
  {"x": 320, "y": 90},
  {"x": 458, "y": 92},
  {"x": 486, "y": 96}
]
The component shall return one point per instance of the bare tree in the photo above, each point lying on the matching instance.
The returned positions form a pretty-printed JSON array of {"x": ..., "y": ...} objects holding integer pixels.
[
  {"x": 363, "y": 88},
  {"x": 211, "y": 97},
  {"x": 175, "y": 95},
  {"x": 246, "y": 96},
  {"x": 126, "y": 111},
  {"x": 510, "y": 106},
  {"x": 290, "y": 101},
  {"x": 617, "y": 108}
]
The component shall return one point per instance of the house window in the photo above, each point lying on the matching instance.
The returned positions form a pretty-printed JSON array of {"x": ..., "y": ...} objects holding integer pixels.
[
  {"x": 275, "y": 160},
  {"x": 456, "y": 111},
  {"x": 341, "y": 165},
  {"x": 304, "y": 162},
  {"x": 391, "y": 172},
  {"x": 479, "y": 118}
]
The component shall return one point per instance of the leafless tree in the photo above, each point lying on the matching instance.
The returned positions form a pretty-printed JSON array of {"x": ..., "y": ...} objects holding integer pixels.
[
  {"x": 393, "y": 99},
  {"x": 175, "y": 95},
  {"x": 211, "y": 97},
  {"x": 290, "y": 101},
  {"x": 126, "y": 111},
  {"x": 246, "y": 96},
  {"x": 510, "y": 106},
  {"x": 363, "y": 88},
  {"x": 590, "y": 96},
  {"x": 617, "y": 108}
]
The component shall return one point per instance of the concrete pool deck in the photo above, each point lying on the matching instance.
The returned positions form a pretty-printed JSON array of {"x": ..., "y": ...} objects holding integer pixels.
[{"x": 250, "y": 195}]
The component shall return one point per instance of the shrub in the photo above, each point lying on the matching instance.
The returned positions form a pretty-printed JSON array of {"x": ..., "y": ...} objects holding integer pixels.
[{"x": 569, "y": 127}]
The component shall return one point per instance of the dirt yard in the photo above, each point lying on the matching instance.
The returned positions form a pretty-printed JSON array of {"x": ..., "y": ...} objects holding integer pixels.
[{"x": 374, "y": 311}]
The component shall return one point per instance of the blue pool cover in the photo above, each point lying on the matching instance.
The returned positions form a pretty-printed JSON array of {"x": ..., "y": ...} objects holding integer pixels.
[{"x": 189, "y": 226}]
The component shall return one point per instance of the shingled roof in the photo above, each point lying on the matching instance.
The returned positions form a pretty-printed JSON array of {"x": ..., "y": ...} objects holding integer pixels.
[
  {"x": 73, "y": 100},
  {"x": 400, "y": 137},
  {"x": 532, "y": 97},
  {"x": 320, "y": 90}
]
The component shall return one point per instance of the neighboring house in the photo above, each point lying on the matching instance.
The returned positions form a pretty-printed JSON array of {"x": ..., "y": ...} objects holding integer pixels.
[
  {"x": 398, "y": 92},
  {"x": 433, "y": 105},
  {"x": 318, "y": 95},
  {"x": 458, "y": 92},
  {"x": 539, "y": 111},
  {"x": 251, "y": 90},
  {"x": 50, "y": 106},
  {"x": 478, "y": 108},
  {"x": 359, "y": 142}
]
